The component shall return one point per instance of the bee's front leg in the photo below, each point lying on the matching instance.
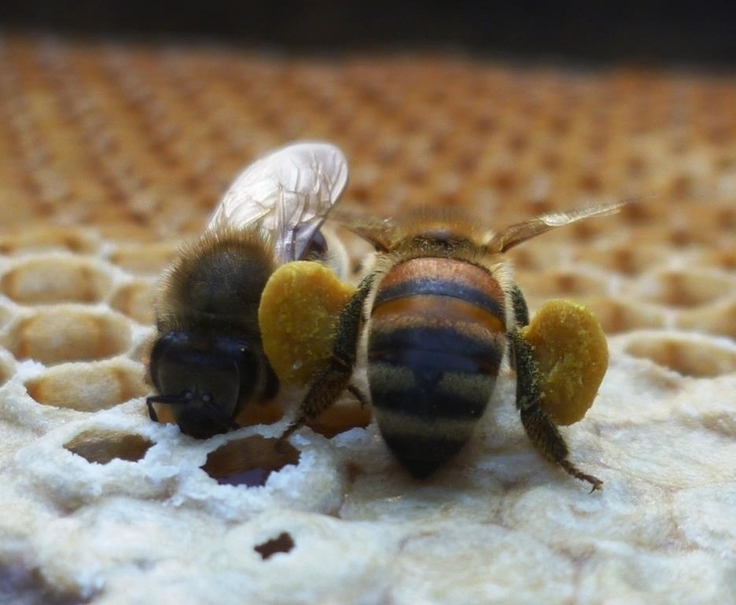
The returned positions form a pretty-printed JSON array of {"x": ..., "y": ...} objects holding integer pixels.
[
  {"x": 334, "y": 378},
  {"x": 542, "y": 432},
  {"x": 151, "y": 412}
]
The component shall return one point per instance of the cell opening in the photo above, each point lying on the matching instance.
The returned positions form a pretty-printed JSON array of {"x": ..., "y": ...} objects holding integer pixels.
[
  {"x": 685, "y": 289},
  {"x": 249, "y": 461},
  {"x": 55, "y": 280},
  {"x": 343, "y": 416},
  {"x": 144, "y": 259},
  {"x": 135, "y": 300},
  {"x": 561, "y": 283},
  {"x": 68, "y": 333},
  {"x": 624, "y": 259},
  {"x": 695, "y": 357},
  {"x": 88, "y": 387},
  {"x": 622, "y": 315},
  {"x": 283, "y": 543},
  {"x": 102, "y": 447},
  {"x": 49, "y": 238}
]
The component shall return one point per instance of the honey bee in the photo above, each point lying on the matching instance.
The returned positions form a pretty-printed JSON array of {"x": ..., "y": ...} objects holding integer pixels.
[
  {"x": 207, "y": 361},
  {"x": 440, "y": 309}
]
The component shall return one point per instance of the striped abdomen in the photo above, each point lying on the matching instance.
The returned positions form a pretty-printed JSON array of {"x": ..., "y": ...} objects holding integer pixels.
[{"x": 436, "y": 342}]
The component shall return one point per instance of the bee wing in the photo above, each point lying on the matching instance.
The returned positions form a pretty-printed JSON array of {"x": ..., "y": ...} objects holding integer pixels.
[
  {"x": 286, "y": 195},
  {"x": 520, "y": 232}
]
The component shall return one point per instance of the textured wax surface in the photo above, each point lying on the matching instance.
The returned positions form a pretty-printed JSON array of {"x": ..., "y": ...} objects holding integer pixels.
[{"x": 111, "y": 154}]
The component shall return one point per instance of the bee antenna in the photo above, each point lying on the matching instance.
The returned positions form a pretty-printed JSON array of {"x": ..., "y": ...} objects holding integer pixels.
[
  {"x": 170, "y": 399},
  {"x": 233, "y": 425}
]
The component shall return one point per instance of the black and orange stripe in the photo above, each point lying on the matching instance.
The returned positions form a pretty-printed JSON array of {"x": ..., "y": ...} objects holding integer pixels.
[{"x": 437, "y": 338}]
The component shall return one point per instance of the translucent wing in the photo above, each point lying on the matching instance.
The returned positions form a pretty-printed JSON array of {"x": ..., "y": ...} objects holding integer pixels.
[
  {"x": 286, "y": 195},
  {"x": 520, "y": 232}
]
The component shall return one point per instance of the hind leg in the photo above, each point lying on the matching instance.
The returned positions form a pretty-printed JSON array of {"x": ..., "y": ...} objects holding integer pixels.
[
  {"x": 542, "y": 432},
  {"x": 336, "y": 376}
]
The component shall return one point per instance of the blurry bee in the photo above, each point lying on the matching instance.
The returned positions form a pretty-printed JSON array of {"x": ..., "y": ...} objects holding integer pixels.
[
  {"x": 207, "y": 361},
  {"x": 441, "y": 309}
]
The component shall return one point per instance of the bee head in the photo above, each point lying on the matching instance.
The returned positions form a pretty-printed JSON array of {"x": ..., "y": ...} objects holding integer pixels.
[{"x": 203, "y": 378}]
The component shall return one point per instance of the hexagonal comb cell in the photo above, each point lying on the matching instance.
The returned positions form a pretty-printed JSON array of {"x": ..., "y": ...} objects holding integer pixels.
[
  {"x": 49, "y": 238},
  {"x": 536, "y": 258},
  {"x": 55, "y": 280},
  {"x": 135, "y": 300},
  {"x": 88, "y": 387},
  {"x": 724, "y": 258},
  {"x": 67, "y": 333},
  {"x": 249, "y": 461},
  {"x": 343, "y": 416},
  {"x": 144, "y": 259},
  {"x": 101, "y": 446},
  {"x": 561, "y": 283},
  {"x": 688, "y": 354},
  {"x": 627, "y": 258},
  {"x": 719, "y": 318},
  {"x": 622, "y": 315},
  {"x": 684, "y": 288}
]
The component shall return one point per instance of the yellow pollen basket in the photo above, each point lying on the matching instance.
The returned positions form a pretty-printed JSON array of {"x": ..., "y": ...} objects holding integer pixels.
[
  {"x": 297, "y": 315},
  {"x": 572, "y": 353}
]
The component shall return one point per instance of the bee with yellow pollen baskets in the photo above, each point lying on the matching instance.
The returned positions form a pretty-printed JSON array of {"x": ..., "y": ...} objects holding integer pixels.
[{"x": 440, "y": 310}]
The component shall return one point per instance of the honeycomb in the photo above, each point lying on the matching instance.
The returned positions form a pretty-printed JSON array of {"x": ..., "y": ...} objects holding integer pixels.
[{"x": 111, "y": 154}]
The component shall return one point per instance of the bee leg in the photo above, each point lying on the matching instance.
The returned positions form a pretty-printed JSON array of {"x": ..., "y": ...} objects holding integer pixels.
[
  {"x": 151, "y": 412},
  {"x": 542, "y": 432},
  {"x": 521, "y": 317},
  {"x": 336, "y": 376},
  {"x": 358, "y": 394},
  {"x": 521, "y": 311}
]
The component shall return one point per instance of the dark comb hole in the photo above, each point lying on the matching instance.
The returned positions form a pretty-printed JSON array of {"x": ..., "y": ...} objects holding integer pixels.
[
  {"x": 249, "y": 461},
  {"x": 281, "y": 543},
  {"x": 101, "y": 447}
]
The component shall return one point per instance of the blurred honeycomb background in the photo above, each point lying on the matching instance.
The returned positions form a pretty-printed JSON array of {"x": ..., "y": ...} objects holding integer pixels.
[
  {"x": 112, "y": 152},
  {"x": 116, "y": 144}
]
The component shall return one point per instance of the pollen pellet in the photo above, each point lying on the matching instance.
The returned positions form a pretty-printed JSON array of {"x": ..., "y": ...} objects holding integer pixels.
[
  {"x": 572, "y": 353},
  {"x": 298, "y": 309}
]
